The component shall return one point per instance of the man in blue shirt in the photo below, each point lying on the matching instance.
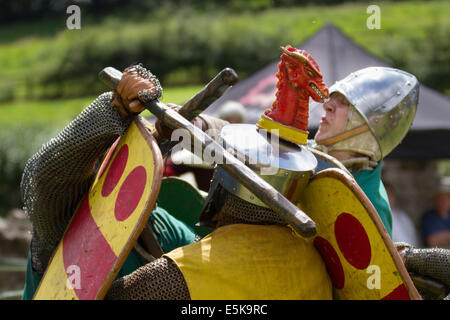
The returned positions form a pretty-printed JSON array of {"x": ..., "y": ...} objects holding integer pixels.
[{"x": 435, "y": 223}]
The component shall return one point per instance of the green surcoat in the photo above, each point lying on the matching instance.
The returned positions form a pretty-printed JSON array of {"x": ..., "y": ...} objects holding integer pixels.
[{"x": 370, "y": 182}]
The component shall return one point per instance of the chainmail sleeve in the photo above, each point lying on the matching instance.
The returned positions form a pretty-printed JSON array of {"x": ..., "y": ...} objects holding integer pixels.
[
  {"x": 430, "y": 262},
  {"x": 158, "y": 280},
  {"x": 61, "y": 172}
]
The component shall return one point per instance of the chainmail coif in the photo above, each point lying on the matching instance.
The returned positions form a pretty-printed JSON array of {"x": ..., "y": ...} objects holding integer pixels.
[{"x": 236, "y": 210}]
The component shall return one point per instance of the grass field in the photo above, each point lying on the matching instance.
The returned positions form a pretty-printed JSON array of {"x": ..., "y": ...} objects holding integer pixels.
[
  {"x": 25, "y": 46},
  {"x": 60, "y": 112}
]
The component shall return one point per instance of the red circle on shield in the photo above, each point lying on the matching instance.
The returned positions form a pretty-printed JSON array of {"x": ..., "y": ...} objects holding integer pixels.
[
  {"x": 115, "y": 171},
  {"x": 130, "y": 193},
  {"x": 352, "y": 240},
  {"x": 332, "y": 262}
]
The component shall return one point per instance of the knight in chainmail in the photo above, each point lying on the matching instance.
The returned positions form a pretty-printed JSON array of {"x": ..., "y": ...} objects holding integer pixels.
[
  {"x": 368, "y": 114},
  {"x": 359, "y": 139},
  {"x": 58, "y": 175},
  {"x": 251, "y": 254},
  {"x": 360, "y": 146},
  {"x": 61, "y": 172}
]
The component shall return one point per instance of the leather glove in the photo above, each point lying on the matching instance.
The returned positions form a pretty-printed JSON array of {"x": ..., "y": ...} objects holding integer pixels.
[{"x": 137, "y": 86}]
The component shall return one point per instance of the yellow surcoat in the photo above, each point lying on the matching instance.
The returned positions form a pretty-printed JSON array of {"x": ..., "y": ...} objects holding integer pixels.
[{"x": 253, "y": 262}]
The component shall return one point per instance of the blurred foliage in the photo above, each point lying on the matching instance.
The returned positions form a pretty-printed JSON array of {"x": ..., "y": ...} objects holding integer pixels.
[
  {"x": 18, "y": 144},
  {"x": 55, "y": 113},
  {"x": 443, "y": 167},
  {"x": 20, "y": 10},
  {"x": 428, "y": 58},
  {"x": 29, "y": 124},
  {"x": 59, "y": 112},
  {"x": 190, "y": 43}
]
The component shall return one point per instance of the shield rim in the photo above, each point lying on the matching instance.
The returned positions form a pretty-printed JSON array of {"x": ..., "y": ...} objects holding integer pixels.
[{"x": 359, "y": 193}]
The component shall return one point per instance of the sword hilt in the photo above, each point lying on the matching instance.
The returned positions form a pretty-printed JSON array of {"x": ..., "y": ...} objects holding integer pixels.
[{"x": 195, "y": 105}]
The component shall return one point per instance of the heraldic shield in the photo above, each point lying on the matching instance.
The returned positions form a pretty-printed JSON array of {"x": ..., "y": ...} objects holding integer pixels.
[
  {"x": 108, "y": 220},
  {"x": 360, "y": 258}
]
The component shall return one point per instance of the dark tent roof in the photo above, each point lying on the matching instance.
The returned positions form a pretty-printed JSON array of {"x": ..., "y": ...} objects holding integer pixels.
[{"x": 338, "y": 56}]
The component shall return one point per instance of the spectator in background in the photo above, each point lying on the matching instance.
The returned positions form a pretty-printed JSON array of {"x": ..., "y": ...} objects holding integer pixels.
[
  {"x": 403, "y": 229},
  {"x": 435, "y": 223},
  {"x": 232, "y": 112}
]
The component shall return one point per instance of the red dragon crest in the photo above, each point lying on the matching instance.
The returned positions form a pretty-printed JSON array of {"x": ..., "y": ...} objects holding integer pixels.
[{"x": 299, "y": 78}]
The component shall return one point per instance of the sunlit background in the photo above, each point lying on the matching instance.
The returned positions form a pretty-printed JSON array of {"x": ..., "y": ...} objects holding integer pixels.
[{"x": 49, "y": 73}]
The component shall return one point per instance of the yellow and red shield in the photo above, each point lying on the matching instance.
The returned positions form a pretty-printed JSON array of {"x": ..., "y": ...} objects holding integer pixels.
[
  {"x": 108, "y": 220},
  {"x": 359, "y": 255}
]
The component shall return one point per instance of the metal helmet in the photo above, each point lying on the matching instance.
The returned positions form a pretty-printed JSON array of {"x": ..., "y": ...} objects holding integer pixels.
[
  {"x": 284, "y": 165},
  {"x": 386, "y": 98}
]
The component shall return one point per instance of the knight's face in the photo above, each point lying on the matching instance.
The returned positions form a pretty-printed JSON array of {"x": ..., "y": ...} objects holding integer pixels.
[{"x": 335, "y": 117}]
